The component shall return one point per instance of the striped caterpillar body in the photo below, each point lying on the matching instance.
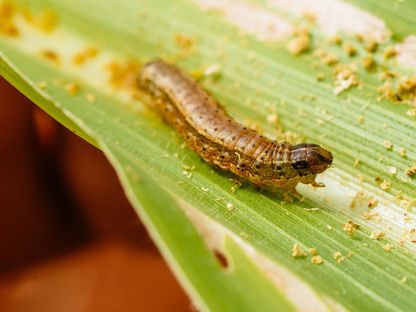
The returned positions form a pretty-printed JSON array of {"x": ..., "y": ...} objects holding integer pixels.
[{"x": 220, "y": 140}]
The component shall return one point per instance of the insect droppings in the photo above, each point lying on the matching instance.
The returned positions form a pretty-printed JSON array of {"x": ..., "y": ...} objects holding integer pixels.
[
  {"x": 222, "y": 141},
  {"x": 317, "y": 260},
  {"x": 297, "y": 252}
]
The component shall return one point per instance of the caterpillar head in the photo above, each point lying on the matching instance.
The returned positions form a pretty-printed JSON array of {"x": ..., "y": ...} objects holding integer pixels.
[{"x": 310, "y": 159}]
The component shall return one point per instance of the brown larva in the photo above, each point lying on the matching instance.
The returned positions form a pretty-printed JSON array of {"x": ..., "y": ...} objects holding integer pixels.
[{"x": 220, "y": 140}]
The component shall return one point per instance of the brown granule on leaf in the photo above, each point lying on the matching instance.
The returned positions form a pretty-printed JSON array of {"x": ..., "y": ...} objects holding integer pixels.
[
  {"x": 360, "y": 199},
  {"x": 317, "y": 260},
  {"x": 406, "y": 90},
  {"x": 338, "y": 257},
  {"x": 349, "y": 49},
  {"x": 359, "y": 37},
  {"x": 297, "y": 252},
  {"x": 326, "y": 57},
  {"x": 372, "y": 203},
  {"x": 45, "y": 21},
  {"x": 299, "y": 44},
  {"x": 50, "y": 55},
  {"x": 388, "y": 75},
  {"x": 411, "y": 171},
  {"x": 350, "y": 227},
  {"x": 345, "y": 78},
  {"x": 386, "y": 91},
  {"x": 230, "y": 207},
  {"x": 9, "y": 29},
  {"x": 385, "y": 185},
  {"x": 369, "y": 63},
  {"x": 388, "y": 247},
  {"x": 389, "y": 52},
  {"x": 48, "y": 21},
  {"x": 184, "y": 42},
  {"x": 123, "y": 74},
  {"x": 335, "y": 40},
  {"x": 7, "y": 25},
  {"x": 399, "y": 195},
  {"x": 72, "y": 88},
  {"x": 330, "y": 59},
  {"x": 388, "y": 145},
  {"x": 7, "y": 10},
  {"x": 320, "y": 76},
  {"x": 377, "y": 235},
  {"x": 42, "y": 85},
  {"x": 371, "y": 46},
  {"x": 81, "y": 57},
  {"x": 313, "y": 251},
  {"x": 27, "y": 15}
]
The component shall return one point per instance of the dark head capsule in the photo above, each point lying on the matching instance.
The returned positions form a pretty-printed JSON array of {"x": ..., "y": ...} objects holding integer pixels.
[{"x": 310, "y": 158}]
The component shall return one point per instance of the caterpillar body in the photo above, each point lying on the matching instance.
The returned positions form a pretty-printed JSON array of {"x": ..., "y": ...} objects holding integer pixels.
[{"x": 219, "y": 139}]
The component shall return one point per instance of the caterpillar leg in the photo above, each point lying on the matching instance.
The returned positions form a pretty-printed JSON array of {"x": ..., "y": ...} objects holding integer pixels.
[
  {"x": 317, "y": 184},
  {"x": 289, "y": 192},
  {"x": 310, "y": 179}
]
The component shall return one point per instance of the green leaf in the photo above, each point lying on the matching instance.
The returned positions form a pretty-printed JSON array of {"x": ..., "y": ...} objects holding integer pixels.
[
  {"x": 213, "y": 287},
  {"x": 398, "y": 15},
  {"x": 256, "y": 78}
]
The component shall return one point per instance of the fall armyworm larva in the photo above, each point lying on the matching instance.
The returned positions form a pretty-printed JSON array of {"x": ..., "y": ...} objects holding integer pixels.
[{"x": 219, "y": 139}]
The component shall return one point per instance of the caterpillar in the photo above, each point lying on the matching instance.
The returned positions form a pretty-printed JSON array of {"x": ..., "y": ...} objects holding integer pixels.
[{"x": 220, "y": 140}]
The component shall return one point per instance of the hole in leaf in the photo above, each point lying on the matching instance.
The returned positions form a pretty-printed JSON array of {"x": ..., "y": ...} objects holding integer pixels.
[{"x": 221, "y": 258}]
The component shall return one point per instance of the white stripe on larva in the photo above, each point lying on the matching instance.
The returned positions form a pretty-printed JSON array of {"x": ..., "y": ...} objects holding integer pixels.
[
  {"x": 259, "y": 22},
  {"x": 406, "y": 52},
  {"x": 333, "y": 16}
]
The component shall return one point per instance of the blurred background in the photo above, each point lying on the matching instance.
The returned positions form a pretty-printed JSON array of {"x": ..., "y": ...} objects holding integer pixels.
[{"x": 69, "y": 239}]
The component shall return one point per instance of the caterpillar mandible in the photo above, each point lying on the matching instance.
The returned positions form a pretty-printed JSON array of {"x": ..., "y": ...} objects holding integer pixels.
[{"x": 220, "y": 140}]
